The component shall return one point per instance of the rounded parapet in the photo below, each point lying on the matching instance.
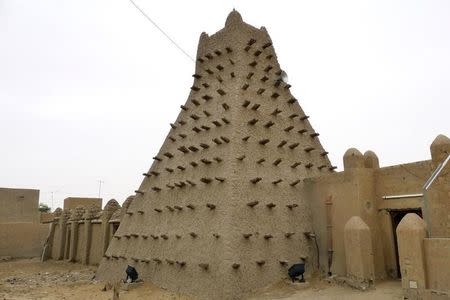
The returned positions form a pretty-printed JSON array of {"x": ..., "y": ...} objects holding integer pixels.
[
  {"x": 65, "y": 215},
  {"x": 91, "y": 212},
  {"x": 371, "y": 160},
  {"x": 233, "y": 18},
  {"x": 353, "y": 159},
  {"x": 57, "y": 213},
  {"x": 440, "y": 148},
  {"x": 111, "y": 206},
  {"x": 411, "y": 223},
  {"x": 77, "y": 213}
]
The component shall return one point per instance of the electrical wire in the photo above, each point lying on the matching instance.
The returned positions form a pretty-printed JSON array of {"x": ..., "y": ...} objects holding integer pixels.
[{"x": 162, "y": 31}]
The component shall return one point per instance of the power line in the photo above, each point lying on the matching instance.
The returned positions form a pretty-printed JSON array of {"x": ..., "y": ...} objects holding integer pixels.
[{"x": 162, "y": 31}]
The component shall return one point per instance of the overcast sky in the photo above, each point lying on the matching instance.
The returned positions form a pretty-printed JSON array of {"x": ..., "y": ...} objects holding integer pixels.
[{"x": 88, "y": 88}]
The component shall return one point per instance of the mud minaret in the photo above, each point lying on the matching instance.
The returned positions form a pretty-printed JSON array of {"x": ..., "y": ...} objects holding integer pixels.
[{"x": 220, "y": 211}]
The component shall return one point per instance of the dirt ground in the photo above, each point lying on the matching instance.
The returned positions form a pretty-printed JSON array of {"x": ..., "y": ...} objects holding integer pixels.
[{"x": 30, "y": 279}]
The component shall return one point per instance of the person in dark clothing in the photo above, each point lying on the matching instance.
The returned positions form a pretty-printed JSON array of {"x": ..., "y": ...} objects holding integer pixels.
[
  {"x": 132, "y": 274},
  {"x": 297, "y": 270}
]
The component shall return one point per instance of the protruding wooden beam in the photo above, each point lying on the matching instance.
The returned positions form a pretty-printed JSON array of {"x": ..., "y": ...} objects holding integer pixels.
[
  {"x": 154, "y": 173},
  {"x": 289, "y": 128},
  {"x": 204, "y": 146},
  {"x": 267, "y": 45},
  {"x": 216, "y": 235},
  {"x": 247, "y": 235},
  {"x": 321, "y": 167},
  {"x": 275, "y": 95},
  {"x": 219, "y": 67},
  {"x": 260, "y": 262},
  {"x": 304, "y": 118},
  {"x": 256, "y": 106},
  {"x": 169, "y": 261},
  {"x": 183, "y": 107},
  {"x": 190, "y": 206},
  {"x": 268, "y": 68},
  {"x": 168, "y": 154},
  {"x": 156, "y": 189},
  {"x": 197, "y": 76},
  {"x": 225, "y": 139},
  {"x": 292, "y": 101},
  {"x": 170, "y": 208},
  {"x": 324, "y": 153},
  {"x": 268, "y": 236},
  {"x": 181, "y": 263},
  {"x": 253, "y": 64},
  {"x": 178, "y": 236},
  {"x": 282, "y": 143},
  {"x": 260, "y": 161},
  {"x": 293, "y": 116},
  {"x": 294, "y": 145},
  {"x": 245, "y": 86},
  {"x": 205, "y": 85},
  {"x": 309, "y": 149},
  {"x": 204, "y": 266},
  {"x": 173, "y": 126},
  {"x": 315, "y": 134},
  {"x": 172, "y": 138},
  {"x": 157, "y": 260},
  {"x": 291, "y": 206},
  {"x": 196, "y": 103},
  {"x": 245, "y": 138},
  {"x": 302, "y": 131},
  {"x": 158, "y": 210},
  {"x": 193, "y": 163},
  {"x": 264, "y": 78},
  {"x": 268, "y": 57},
  {"x": 295, "y": 165},
  {"x": 249, "y": 75},
  {"x": 205, "y": 161},
  {"x": 252, "y": 203},
  {"x": 225, "y": 120},
  {"x": 181, "y": 168},
  {"x": 147, "y": 175},
  {"x": 225, "y": 106},
  {"x": 221, "y": 92},
  {"x": 277, "y": 181},
  {"x": 209, "y": 71},
  {"x": 257, "y": 53},
  {"x": 196, "y": 129},
  {"x": 263, "y": 141},
  {"x": 277, "y": 162},
  {"x": 235, "y": 266},
  {"x": 193, "y": 234},
  {"x": 194, "y": 117},
  {"x": 229, "y": 50},
  {"x": 217, "y": 123},
  {"x": 195, "y": 88},
  {"x": 183, "y": 149},
  {"x": 241, "y": 158},
  {"x": 139, "y": 192},
  {"x": 271, "y": 205},
  {"x": 251, "y": 41},
  {"x": 309, "y": 165},
  {"x": 289, "y": 234},
  {"x": 332, "y": 168},
  {"x": 193, "y": 148},
  {"x": 164, "y": 236},
  {"x": 210, "y": 206},
  {"x": 252, "y": 121},
  {"x": 217, "y": 141},
  {"x": 140, "y": 211},
  {"x": 204, "y": 127},
  {"x": 182, "y": 122},
  {"x": 205, "y": 180},
  {"x": 260, "y": 91},
  {"x": 246, "y": 103},
  {"x": 207, "y": 97},
  {"x": 294, "y": 183},
  {"x": 221, "y": 179},
  {"x": 177, "y": 207},
  {"x": 182, "y": 135}
]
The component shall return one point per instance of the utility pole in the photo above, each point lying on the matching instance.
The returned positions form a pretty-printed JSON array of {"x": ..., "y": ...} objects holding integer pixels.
[{"x": 100, "y": 187}]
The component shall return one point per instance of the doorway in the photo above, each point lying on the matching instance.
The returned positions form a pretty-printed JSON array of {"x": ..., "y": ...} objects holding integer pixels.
[{"x": 396, "y": 216}]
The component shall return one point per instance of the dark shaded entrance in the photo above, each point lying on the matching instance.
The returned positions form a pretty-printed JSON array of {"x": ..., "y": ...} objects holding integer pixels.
[{"x": 396, "y": 216}]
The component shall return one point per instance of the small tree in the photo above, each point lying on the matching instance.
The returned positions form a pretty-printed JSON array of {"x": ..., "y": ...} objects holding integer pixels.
[{"x": 44, "y": 207}]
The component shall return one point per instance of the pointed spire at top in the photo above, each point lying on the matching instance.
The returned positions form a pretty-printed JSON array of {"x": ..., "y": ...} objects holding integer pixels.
[{"x": 233, "y": 18}]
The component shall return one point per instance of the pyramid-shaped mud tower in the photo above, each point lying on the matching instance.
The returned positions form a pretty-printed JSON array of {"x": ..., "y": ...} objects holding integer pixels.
[{"x": 220, "y": 211}]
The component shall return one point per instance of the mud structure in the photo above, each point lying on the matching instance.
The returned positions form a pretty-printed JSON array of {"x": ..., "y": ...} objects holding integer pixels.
[{"x": 219, "y": 213}]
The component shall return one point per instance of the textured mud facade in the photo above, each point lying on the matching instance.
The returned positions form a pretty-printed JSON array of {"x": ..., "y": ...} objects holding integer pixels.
[
  {"x": 83, "y": 234},
  {"x": 361, "y": 190},
  {"x": 219, "y": 213},
  {"x": 21, "y": 234}
]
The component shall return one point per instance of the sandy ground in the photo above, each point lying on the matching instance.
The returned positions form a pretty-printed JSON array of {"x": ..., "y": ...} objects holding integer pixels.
[{"x": 30, "y": 279}]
